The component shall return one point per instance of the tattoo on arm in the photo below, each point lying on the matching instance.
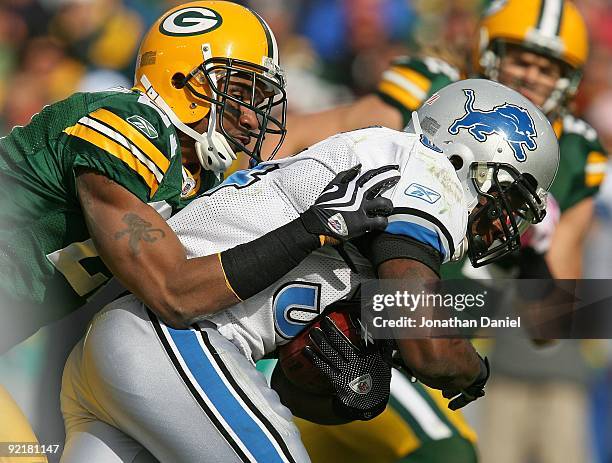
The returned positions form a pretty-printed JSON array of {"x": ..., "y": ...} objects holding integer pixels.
[{"x": 138, "y": 230}]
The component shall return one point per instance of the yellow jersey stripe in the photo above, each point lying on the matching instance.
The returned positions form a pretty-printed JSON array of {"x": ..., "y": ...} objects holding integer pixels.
[
  {"x": 413, "y": 76},
  {"x": 558, "y": 127},
  {"x": 134, "y": 136},
  {"x": 116, "y": 149},
  {"x": 400, "y": 95},
  {"x": 595, "y": 170},
  {"x": 597, "y": 157},
  {"x": 593, "y": 180}
]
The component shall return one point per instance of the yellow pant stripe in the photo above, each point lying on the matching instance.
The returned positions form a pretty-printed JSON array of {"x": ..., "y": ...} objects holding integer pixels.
[{"x": 455, "y": 417}]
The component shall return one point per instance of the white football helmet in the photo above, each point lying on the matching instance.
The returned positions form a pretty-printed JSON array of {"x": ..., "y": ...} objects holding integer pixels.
[{"x": 505, "y": 153}]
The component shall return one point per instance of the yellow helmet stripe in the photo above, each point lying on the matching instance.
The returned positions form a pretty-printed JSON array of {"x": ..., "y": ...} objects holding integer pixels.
[
  {"x": 134, "y": 136},
  {"x": 549, "y": 19},
  {"x": 132, "y": 158}
]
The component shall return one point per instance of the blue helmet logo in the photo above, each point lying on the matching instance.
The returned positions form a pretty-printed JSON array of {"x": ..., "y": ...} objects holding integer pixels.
[{"x": 510, "y": 121}]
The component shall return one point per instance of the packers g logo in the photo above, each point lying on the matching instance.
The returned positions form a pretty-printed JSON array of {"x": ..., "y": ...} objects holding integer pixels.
[{"x": 190, "y": 21}]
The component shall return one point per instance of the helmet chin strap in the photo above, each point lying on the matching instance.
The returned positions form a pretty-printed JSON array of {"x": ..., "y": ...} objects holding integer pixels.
[
  {"x": 214, "y": 153},
  {"x": 416, "y": 124},
  {"x": 212, "y": 149}
]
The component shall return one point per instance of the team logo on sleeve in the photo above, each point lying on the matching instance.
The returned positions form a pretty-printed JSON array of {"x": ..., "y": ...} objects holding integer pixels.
[
  {"x": 422, "y": 192},
  {"x": 190, "y": 21},
  {"x": 507, "y": 120},
  {"x": 143, "y": 125}
]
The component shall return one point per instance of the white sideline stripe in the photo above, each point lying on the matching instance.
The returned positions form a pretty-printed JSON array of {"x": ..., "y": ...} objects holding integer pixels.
[
  {"x": 401, "y": 81},
  {"x": 404, "y": 393}
]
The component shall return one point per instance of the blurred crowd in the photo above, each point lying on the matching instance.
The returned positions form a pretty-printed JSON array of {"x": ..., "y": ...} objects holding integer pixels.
[
  {"x": 336, "y": 48},
  {"x": 332, "y": 50}
]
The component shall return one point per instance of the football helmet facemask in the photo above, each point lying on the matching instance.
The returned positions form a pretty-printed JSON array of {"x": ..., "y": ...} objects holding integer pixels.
[
  {"x": 505, "y": 154},
  {"x": 215, "y": 59}
]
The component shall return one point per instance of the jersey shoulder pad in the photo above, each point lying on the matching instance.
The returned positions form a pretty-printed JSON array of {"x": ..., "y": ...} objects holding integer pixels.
[
  {"x": 126, "y": 137},
  {"x": 409, "y": 81},
  {"x": 573, "y": 125},
  {"x": 428, "y": 202}
]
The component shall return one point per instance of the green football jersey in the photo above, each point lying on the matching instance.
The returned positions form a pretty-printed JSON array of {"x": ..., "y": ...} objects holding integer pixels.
[
  {"x": 410, "y": 81},
  {"x": 48, "y": 263}
]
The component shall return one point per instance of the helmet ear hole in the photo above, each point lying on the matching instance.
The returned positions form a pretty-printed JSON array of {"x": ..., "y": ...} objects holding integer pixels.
[
  {"x": 178, "y": 80},
  {"x": 456, "y": 161}
]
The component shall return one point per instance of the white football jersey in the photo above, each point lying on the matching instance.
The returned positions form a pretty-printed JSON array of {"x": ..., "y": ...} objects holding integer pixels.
[{"x": 428, "y": 206}]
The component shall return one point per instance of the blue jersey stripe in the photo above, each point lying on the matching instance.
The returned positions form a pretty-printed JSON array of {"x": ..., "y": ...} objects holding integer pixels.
[
  {"x": 419, "y": 233},
  {"x": 242, "y": 424}
]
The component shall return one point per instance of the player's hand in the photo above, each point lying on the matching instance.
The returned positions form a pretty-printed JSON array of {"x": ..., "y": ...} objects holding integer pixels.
[
  {"x": 351, "y": 204},
  {"x": 360, "y": 375},
  {"x": 474, "y": 391}
]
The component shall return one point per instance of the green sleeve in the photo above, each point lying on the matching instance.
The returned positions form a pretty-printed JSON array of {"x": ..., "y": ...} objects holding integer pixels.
[
  {"x": 129, "y": 142},
  {"x": 410, "y": 81},
  {"x": 582, "y": 164}
]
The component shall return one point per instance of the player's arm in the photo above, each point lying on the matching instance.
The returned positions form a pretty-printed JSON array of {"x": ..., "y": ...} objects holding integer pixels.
[
  {"x": 144, "y": 253},
  {"x": 440, "y": 363},
  {"x": 304, "y": 130},
  {"x": 564, "y": 257}
]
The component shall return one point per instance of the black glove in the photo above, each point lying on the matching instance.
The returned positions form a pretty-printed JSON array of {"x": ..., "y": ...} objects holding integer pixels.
[
  {"x": 360, "y": 375},
  {"x": 473, "y": 391},
  {"x": 350, "y": 206}
]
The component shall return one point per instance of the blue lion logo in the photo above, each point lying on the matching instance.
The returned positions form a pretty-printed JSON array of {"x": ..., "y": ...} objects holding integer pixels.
[{"x": 508, "y": 120}]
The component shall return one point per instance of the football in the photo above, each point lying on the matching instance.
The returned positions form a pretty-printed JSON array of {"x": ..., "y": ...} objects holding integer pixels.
[{"x": 296, "y": 366}]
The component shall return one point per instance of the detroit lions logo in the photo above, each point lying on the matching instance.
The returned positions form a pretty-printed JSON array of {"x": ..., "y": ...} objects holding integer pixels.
[{"x": 510, "y": 121}]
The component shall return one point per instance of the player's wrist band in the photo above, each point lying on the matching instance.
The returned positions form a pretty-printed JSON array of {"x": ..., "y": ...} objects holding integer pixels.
[{"x": 251, "y": 267}]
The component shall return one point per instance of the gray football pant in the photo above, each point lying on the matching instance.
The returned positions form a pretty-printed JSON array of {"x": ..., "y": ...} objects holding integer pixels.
[{"x": 134, "y": 386}]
